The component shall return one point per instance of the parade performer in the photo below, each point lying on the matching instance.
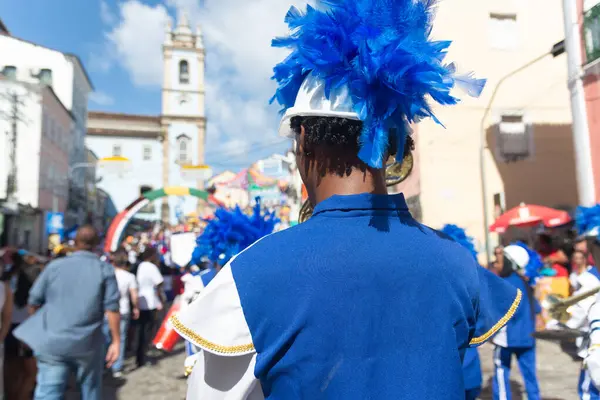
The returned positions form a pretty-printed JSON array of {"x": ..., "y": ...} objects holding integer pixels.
[
  {"x": 361, "y": 301},
  {"x": 228, "y": 233},
  {"x": 516, "y": 337},
  {"x": 588, "y": 225},
  {"x": 471, "y": 362}
]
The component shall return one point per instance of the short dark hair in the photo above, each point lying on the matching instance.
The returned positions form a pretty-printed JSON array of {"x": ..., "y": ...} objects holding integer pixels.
[
  {"x": 148, "y": 253},
  {"x": 86, "y": 237},
  {"x": 119, "y": 258},
  {"x": 338, "y": 140}
]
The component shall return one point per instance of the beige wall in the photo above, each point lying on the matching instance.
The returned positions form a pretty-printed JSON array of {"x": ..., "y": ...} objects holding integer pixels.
[
  {"x": 449, "y": 158},
  {"x": 549, "y": 177}
]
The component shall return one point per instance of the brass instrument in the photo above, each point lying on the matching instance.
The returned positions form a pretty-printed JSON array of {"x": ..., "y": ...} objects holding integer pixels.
[
  {"x": 395, "y": 173},
  {"x": 559, "y": 308}
]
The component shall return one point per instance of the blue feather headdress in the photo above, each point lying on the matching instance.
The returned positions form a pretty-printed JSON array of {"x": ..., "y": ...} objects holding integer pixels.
[
  {"x": 535, "y": 265},
  {"x": 231, "y": 231},
  {"x": 460, "y": 236},
  {"x": 370, "y": 60},
  {"x": 587, "y": 220}
]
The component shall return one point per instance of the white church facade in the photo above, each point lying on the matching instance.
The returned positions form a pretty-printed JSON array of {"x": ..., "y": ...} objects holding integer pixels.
[{"x": 158, "y": 146}]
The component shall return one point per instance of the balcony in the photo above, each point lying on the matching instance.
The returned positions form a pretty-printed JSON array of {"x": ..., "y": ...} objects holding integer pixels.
[{"x": 591, "y": 31}]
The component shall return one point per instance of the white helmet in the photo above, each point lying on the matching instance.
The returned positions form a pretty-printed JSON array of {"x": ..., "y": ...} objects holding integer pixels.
[
  {"x": 311, "y": 101},
  {"x": 517, "y": 255}
]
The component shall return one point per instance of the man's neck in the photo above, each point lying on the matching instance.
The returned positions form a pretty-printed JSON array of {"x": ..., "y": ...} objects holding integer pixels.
[{"x": 371, "y": 181}]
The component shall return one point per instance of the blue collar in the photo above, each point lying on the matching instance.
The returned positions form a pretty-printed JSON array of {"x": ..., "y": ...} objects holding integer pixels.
[
  {"x": 84, "y": 253},
  {"x": 364, "y": 201}
]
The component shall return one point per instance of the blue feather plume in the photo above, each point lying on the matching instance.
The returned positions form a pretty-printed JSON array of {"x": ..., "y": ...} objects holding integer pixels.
[
  {"x": 460, "y": 236},
  {"x": 587, "y": 218},
  {"x": 382, "y": 52},
  {"x": 535, "y": 265},
  {"x": 231, "y": 231}
]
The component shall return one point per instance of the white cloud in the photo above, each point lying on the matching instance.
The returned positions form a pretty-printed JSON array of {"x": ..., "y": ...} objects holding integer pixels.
[
  {"x": 239, "y": 62},
  {"x": 137, "y": 41},
  {"x": 101, "y": 98},
  {"x": 106, "y": 15}
]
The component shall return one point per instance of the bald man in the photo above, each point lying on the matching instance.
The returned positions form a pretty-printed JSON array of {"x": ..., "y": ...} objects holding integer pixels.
[{"x": 68, "y": 303}]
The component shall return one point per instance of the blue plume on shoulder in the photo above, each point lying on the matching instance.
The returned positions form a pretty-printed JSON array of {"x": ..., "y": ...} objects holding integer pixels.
[
  {"x": 460, "y": 236},
  {"x": 230, "y": 232},
  {"x": 382, "y": 52},
  {"x": 587, "y": 219}
]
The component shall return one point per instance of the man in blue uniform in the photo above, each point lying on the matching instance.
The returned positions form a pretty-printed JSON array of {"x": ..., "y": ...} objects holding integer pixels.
[
  {"x": 516, "y": 337},
  {"x": 361, "y": 301}
]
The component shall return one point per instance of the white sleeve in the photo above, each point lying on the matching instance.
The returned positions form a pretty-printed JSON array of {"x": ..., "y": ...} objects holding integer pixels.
[
  {"x": 208, "y": 380},
  {"x": 132, "y": 282},
  {"x": 592, "y": 361},
  {"x": 594, "y": 318},
  {"x": 157, "y": 277}
]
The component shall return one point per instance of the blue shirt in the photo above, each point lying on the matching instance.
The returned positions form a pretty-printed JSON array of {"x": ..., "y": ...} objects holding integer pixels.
[
  {"x": 363, "y": 302},
  {"x": 73, "y": 292},
  {"x": 519, "y": 331}
]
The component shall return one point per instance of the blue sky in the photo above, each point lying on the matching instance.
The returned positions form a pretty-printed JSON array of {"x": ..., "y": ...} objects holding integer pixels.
[{"x": 120, "y": 41}]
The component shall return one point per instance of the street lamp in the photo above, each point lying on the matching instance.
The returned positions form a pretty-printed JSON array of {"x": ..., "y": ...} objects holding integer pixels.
[{"x": 557, "y": 49}]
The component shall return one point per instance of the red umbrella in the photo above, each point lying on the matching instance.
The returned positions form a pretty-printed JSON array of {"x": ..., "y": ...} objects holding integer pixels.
[{"x": 530, "y": 215}]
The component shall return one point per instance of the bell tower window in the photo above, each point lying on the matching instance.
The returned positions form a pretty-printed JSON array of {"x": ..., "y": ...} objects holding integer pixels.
[
  {"x": 183, "y": 149},
  {"x": 184, "y": 73}
]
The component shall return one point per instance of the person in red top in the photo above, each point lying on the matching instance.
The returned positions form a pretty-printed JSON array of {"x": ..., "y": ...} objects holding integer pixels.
[{"x": 556, "y": 258}]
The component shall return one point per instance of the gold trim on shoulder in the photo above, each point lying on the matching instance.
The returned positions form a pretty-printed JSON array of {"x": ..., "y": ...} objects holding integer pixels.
[
  {"x": 208, "y": 345},
  {"x": 509, "y": 314}
]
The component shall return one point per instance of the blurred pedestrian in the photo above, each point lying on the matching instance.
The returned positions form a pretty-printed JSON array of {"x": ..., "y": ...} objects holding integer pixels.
[
  {"x": 151, "y": 299},
  {"x": 581, "y": 244},
  {"x": 6, "y": 304},
  {"x": 498, "y": 263},
  {"x": 552, "y": 255},
  {"x": 21, "y": 369},
  {"x": 128, "y": 306},
  {"x": 68, "y": 302}
]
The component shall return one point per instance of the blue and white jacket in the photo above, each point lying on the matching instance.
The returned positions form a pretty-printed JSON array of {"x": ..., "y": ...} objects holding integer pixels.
[
  {"x": 359, "y": 302},
  {"x": 518, "y": 332}
]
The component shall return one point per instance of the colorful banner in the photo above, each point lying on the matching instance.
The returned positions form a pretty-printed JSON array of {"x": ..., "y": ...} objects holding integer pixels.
[{"x": 55, "y": 224}]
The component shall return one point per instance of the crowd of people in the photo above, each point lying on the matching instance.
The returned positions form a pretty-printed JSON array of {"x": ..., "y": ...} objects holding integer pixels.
[{"x": 79, "y": 312}]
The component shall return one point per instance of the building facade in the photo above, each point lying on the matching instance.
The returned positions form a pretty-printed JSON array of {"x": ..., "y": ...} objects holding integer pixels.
[
  {"x": 159, "y": 146},
  {"x": 32, "y": 63},
  {"x": 36, "y": 182},
  {"x": 139, "y": 139},
  {"x": 589, "y": 19},
  {"x": 529, "y": 127}
]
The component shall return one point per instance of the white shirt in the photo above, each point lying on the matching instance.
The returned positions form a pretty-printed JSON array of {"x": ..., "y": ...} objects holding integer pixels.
[
  {"x": 132, "y": 256},
  {"x": 148, "y": 277},
  {"x": 125, "y": 281}
]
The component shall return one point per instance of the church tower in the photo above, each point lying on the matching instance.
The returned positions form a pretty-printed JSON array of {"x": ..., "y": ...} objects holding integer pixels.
[{"x": 183, "y": 119}]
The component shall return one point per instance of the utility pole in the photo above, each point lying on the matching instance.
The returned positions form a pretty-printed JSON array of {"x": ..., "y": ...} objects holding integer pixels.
[
  {"x": 14, "y": 116},
  {"x": 581, "y": 130}
]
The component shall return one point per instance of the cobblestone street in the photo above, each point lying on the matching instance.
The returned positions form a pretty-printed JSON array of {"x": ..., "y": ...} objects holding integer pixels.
[{"x": 558, "y": 375}]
